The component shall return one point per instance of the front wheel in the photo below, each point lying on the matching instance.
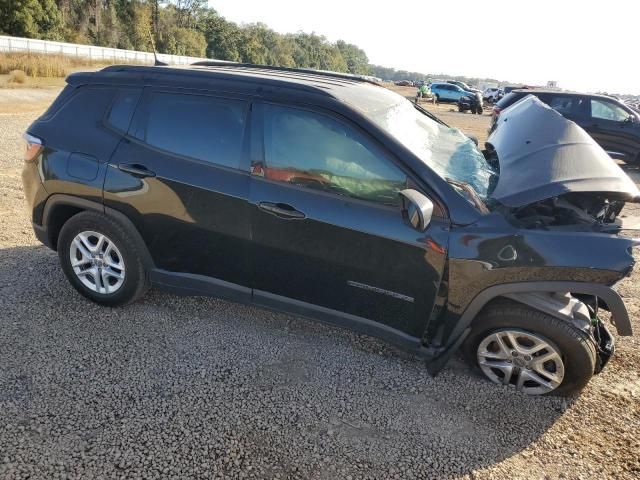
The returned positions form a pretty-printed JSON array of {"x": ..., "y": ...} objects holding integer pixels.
[
  {"x": 100, "y": 259},
  {"x": 536, "y": 353}
]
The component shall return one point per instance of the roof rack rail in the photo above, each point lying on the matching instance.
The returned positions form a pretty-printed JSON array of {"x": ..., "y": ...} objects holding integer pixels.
[{"x": 326, "y": 73}]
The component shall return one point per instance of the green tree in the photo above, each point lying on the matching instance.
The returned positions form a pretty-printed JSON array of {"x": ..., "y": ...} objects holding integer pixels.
[
  {"x": 141, "y": 24},
  {"x": 313, "y": 51},
  {"x": 185, "y": 41},
  {"x": 356, "y": 58},
  {"x": 31, "y": 18},
  {"x": 223, "y": 38}
]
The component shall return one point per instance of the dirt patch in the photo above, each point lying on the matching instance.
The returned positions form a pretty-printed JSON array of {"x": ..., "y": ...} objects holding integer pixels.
[{"x": 22, "y": 100}]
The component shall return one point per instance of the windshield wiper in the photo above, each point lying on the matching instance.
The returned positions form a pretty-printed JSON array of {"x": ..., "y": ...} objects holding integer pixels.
[
  {"x": 429, "y": 114},
  {"x": 473, "y": 195}
]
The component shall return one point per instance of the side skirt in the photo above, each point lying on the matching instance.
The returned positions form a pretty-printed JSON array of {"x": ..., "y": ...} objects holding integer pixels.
[
  {"x": 190, "y": 284},
  {"x": 343, "y": 320}
]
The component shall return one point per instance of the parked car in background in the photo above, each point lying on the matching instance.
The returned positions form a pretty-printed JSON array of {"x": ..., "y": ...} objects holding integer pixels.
[
  {"x": 612, "y": 124},
  {"x": 492, "y": 94},
  {"x": 510, "y": 88},
  {"x": 471, "y": 102},
  {"x": 424, "y": 92},
  {"x": 448, "y": 92},
  {"x": 635, "y": 105},
  {"x": 328, "y": 196},
  {"x": 463, "y": 85},
  {"x": 404, "y": 83}
]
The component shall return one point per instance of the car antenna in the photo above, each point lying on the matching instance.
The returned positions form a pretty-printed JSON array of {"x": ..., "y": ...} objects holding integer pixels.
[{"x": 156, "y": 63}]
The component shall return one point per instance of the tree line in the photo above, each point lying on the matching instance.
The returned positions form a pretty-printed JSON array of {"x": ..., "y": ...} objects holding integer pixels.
[
  {"x": 185, "y": 27},
  {"x": 179, "y": 27}
]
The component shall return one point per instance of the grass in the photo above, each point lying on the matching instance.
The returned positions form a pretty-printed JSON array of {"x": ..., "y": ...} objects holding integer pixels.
[
  {"x": 40, "y": 70},
  {"x": 17, "y": 76},
  {"x": 37, "y": 65}
]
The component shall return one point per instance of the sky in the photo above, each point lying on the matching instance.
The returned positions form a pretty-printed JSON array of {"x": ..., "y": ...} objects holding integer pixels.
[{"x": 584, "y": 45}]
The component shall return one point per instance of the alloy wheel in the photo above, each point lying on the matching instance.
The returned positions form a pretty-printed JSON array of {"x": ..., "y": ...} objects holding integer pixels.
[
  {"x": 97, "y": 262},
  {"x": 523, "y": 359}
]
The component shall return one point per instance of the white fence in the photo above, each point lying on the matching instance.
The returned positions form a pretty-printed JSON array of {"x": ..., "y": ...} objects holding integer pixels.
[{"x": 18, "y": 44}]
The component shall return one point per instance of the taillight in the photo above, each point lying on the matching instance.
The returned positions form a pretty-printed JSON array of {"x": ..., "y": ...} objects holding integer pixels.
[{"x": 34, "y": 147}]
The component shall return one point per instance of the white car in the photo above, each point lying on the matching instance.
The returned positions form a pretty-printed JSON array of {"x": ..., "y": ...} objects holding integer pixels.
[{"x": 492, "y": 94}]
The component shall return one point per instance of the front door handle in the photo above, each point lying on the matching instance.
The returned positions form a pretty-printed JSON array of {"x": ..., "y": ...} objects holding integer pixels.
[
  {"x": 282, "y": 210},
  {"x": 136, "y": 170}
]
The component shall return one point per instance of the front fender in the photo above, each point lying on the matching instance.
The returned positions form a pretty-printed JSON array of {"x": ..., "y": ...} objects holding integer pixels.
[{"x": 518, "y": 291}]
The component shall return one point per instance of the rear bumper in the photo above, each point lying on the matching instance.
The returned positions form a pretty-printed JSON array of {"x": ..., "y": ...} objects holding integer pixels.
[
  {"x": 34, "y": 190},
  {"x": 42, "y": 234}
]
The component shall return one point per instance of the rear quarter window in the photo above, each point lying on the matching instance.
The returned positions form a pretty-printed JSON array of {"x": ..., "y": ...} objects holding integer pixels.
[
  {"x": 77, "y": 125},
  {"x": 58, "y": 102}
]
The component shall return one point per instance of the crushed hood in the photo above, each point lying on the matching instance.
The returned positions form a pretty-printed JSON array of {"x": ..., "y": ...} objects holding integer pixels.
[{"x": 544, "y": 155}]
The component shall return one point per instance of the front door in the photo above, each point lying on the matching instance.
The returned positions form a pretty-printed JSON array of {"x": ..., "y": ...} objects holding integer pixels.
[
  {"x": 327, "y": 228},
  {"x": 609, "y": 125}
]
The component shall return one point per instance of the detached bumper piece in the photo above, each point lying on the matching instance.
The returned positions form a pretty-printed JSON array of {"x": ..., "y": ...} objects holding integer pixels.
[{"x": 605, "y": 344}]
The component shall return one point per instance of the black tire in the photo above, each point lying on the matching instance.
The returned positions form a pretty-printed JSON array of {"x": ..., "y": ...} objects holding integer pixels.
[
  {"x": 473, "y": 110},
  {"x": 437, "y": 98},
  {"x": 479, "y": 110},
  {"x": 135, "y": 282},
  {"x": 577, "y": 349},
  {"x": 460, "y": 109}
]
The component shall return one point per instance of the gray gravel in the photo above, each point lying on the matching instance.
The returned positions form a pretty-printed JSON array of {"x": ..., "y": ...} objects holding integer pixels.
[{"x": 179, "y": 387}]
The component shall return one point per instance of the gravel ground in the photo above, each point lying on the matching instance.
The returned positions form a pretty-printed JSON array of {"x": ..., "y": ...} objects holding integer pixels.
[{"x": 178, "y": 387}]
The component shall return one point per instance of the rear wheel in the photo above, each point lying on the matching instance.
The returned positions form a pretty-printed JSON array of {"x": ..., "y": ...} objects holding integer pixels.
[
  {"x": 479, "y": 110},
  {"x": 100, "y": 259},
  {"x": 536, "y": 353}
]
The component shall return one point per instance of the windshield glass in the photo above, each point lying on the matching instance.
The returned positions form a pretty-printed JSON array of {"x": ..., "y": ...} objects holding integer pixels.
[{"x": 447, "y": 151}]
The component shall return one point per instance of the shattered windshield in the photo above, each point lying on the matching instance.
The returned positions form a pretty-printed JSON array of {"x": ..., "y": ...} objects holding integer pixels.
[{"x": 447, "y": 151}]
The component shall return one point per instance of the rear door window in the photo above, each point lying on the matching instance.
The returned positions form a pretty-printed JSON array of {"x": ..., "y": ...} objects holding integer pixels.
[
  {"x": 122, "y": 109},
  {"x": 201, "y": 127},
  {"x": 567, "y": 105}
]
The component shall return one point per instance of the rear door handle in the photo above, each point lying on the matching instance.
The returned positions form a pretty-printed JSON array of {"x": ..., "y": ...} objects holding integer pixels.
[
  {"x": 136, "y": 170},
  {"x": 282, "y": 210}
]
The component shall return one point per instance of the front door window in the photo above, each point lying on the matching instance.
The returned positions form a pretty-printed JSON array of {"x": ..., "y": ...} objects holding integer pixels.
[{"x": 318, "y": 152}]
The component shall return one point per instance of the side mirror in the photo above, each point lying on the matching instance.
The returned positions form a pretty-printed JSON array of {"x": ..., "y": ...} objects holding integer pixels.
[{"x": 416, "y": 209}]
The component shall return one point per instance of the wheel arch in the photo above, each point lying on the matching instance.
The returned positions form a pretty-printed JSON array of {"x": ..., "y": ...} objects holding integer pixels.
[
  {"x": 59, "y": 208},
  {"x": 524, "y": 292}
]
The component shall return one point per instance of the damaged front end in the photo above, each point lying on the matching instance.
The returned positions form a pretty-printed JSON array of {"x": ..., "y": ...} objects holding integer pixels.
[
  {"x": 550, "y": 236},
  {"x": 552, "y": 174}
]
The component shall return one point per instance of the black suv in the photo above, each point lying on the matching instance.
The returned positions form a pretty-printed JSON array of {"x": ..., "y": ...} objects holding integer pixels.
[
  {"x": 331, "y": 197},
  {"x": 611, "y": 123}
]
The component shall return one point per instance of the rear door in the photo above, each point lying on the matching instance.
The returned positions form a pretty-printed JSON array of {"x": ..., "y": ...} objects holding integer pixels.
[
  {"x": 327, "y": 227},
  {"x": 608, "y": 123},
  {"x": 447, "y": 91},
  {"x": 181, "y": 176}
]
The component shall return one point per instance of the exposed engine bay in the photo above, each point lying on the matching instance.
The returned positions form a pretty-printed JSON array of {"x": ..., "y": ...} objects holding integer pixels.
[{"x": 590, "y": 210}]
